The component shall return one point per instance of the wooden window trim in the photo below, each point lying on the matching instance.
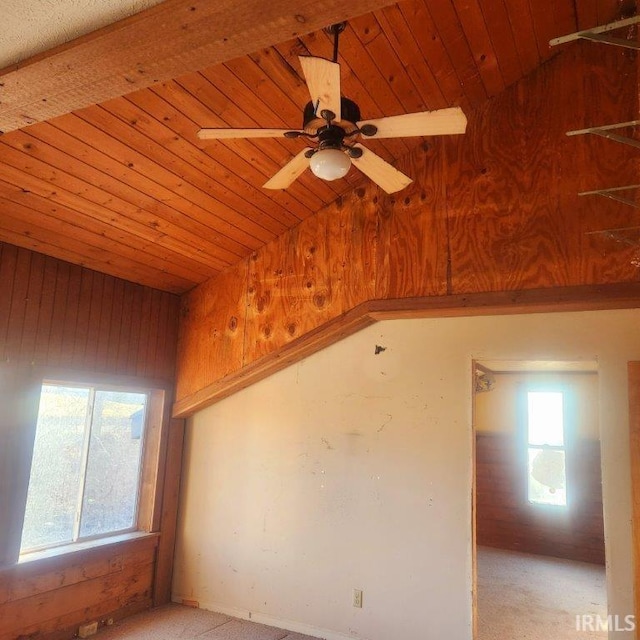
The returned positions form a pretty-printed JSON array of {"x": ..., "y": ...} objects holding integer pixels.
[{"x": 20, "y": 393}]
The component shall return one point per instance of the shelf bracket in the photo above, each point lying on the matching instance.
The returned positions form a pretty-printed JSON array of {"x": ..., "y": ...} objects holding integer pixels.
[
  {"x": 612, "y": 194},
  {"x": 605, "y": 132},
  {"x": 598, "y": 34}
]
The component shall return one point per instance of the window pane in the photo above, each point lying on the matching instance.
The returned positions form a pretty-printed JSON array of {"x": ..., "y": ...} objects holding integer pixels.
[
  {"x": 113, "y": 466},
  {"x": 547, "y": 476},
  {"x": 545, "y": 418},
  {"x": 54, "y": 483}
]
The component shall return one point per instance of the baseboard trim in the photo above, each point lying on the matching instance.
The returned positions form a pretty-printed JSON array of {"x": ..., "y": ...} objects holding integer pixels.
[{"x": 272, "y": 621}]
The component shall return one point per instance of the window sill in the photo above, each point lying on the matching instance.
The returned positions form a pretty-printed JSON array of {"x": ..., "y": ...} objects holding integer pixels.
[{"x": 77, "y": 547}]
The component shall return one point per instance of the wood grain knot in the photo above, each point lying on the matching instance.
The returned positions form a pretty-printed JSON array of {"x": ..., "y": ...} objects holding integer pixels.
[
  {"x": 267, "y": 331},
  {"x": 292, "y": 329},
  {"x": 233, "y": 323},
  {"x": 319, "y": 300}
]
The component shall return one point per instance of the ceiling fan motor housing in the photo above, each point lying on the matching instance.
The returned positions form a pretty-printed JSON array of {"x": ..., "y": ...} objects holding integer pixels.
[{"x": 350, "y": 113}]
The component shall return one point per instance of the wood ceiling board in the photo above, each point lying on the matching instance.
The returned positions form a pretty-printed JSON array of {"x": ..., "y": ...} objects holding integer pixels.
[
  {"x": 33, "y": 175},
  {"x": 401, "y": 38},
  {"x": 502, "y": 39},
  {"x": 133, "y": 165},
  {"x": 369, "y": 32},
  {"x": 27, "y": 211},
  {"x": 474, "y": 26},
  {"x": 230, "y": 184},
  {"x": 273, "y": 154},
  {"x": 242, "y": 157},
  {"x": 271, "y": 217},
  {"x": 168, "y": 40}
]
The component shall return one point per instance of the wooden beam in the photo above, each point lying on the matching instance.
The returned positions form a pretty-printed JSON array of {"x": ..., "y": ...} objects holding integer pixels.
[
  {"x": 578, "y": 298},
  {"x": 171, "y": 39}
]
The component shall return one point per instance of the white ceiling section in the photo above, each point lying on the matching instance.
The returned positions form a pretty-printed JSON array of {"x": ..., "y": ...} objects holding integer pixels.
[
  {"x": 536, "y": 366},
  {"x": 29, "y": 27}
]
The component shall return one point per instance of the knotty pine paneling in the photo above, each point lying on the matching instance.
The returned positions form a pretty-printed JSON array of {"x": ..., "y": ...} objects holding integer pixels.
[
  {"x": 55, "y": 315},
  {"x": 52, "y": 597},
  {"x": 495, "y": 210},
  {"x": 506, "y": 520}
]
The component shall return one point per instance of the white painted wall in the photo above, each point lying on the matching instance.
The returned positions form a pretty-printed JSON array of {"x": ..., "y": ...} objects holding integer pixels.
[
  {"x": 351, "y": 469},
  {"x": 497, "y": 410}
]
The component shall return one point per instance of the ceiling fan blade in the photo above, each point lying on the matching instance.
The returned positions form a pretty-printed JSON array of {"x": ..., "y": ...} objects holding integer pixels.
[
  {"x": 228, "y": 134},
  {"x": 292, "y": 170},
  {"x": 423, "y": 123},
  {"x": 386, "y": 176},
  {"x": 323, "y": 79}
]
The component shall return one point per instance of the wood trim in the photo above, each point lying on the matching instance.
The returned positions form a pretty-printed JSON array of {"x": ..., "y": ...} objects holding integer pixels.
[
  {"x": 579, "y": 298},
  {"x": 160, "y": 43},
  {"x": 169, "y": 516},
  {"x": 634, "y": 433},
  {"x": 316, "y": 339}
]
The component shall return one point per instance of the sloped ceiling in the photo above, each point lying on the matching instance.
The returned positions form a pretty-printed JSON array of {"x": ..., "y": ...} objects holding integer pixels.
[{"x": 125, "y": 187}]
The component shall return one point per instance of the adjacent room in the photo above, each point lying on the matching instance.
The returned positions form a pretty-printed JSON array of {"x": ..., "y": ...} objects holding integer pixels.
[
  {"x": 539, "y": 512},
  {"x": 319, "y": 320}
]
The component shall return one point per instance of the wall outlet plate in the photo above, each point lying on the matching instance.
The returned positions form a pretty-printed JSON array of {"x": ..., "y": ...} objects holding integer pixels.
[{"x": 357, "y": 598}]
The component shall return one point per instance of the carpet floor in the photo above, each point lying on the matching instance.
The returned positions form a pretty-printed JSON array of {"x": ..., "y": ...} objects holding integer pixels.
[
  {"x": 176, "y": 622},
  {"x": 532, "y": 597},
  {"x": 520, "y": 597}
]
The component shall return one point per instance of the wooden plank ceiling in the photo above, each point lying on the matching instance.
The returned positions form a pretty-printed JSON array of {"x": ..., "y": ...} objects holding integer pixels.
[{"x": 124, "y": 187}]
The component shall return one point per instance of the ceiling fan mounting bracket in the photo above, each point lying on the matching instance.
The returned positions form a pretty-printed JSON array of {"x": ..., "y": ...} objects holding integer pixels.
[{"x": 334, "y": 29}]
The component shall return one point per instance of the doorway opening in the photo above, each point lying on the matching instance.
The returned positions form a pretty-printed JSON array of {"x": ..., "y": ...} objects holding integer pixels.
[{"x": 539, "y": 530}]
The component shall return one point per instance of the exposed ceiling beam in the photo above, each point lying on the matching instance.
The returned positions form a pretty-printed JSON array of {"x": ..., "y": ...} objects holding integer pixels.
[{"x": 160, "y": 43}]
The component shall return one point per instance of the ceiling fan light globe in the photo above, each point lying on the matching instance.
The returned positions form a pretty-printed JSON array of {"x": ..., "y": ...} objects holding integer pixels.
[{"x": 330, "y": 164}]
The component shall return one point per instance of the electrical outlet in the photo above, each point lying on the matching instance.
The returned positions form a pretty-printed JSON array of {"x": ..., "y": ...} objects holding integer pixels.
[
  {"x": 89, "y": 629},
  {"x": 357, "y": 598}
]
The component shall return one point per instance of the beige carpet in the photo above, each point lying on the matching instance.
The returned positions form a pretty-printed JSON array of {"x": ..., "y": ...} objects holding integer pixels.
[
  {"x": 527, "y": 597},
  {"x": 175, "y": 622}
]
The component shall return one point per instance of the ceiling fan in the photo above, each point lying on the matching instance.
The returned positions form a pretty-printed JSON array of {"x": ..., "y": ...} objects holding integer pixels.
[{"x": 333, "y": 125}]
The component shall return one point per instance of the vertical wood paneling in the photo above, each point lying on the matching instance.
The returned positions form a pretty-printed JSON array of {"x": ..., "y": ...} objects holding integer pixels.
[
  {"x": 56, "y": 315},
  {"x": 506, "y": 520}
]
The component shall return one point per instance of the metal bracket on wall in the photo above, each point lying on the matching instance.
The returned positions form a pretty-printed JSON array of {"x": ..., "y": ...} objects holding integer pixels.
[
  {"x": 619, "y": 235},
  {"x": 612, "y": 194},
  {"x": 597, "y": 34},
  {"x": 605, "y": 132}
]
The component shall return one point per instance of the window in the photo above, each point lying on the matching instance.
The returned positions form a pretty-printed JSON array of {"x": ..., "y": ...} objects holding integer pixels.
[
  {"x": 85, "y": 471},
  {"x": 546, "y": 448}
]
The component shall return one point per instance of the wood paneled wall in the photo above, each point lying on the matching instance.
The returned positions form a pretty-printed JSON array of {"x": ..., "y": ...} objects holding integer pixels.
[
  {"x": 56, "y": 315},
  {"x": 487, "y": 213},
  {"x": 57, "y": 319},
  {"x": 48, "y": 599},
  {"x": 505, "y": 519}
]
